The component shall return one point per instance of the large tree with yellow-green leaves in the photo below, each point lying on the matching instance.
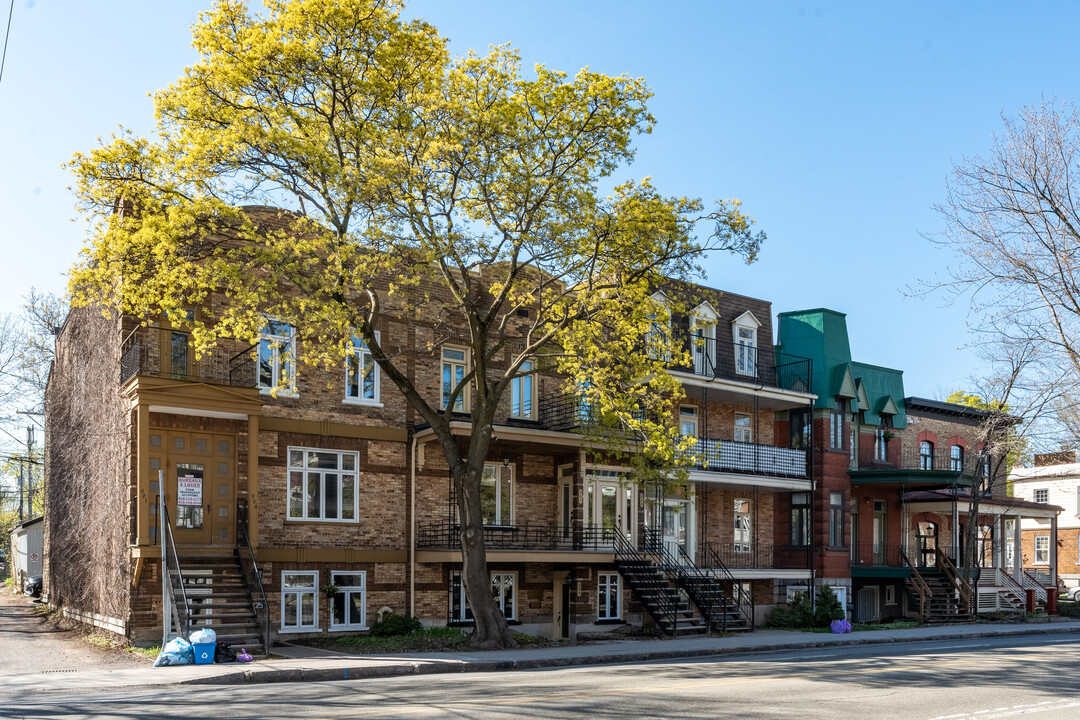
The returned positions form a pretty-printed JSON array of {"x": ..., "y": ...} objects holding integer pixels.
[{"x": 419, "y": 185}]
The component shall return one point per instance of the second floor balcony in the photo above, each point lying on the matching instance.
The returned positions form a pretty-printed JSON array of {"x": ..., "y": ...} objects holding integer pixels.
[
  {"x": 170, "y": 354},
  {"x": 919, "y": 466},
  {"x": 741, "y": 362}
]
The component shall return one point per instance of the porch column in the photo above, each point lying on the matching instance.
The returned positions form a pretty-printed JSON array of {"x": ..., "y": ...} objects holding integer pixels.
[
  {"x": 1053, "y": 552},
  {"x": 144, "y": 497},
  {"x": 1018, "y": 550},
  {"x": 999, "y": 548},
  {"x": 955, "y": 551},
  {"x": 253, "y": 480}
]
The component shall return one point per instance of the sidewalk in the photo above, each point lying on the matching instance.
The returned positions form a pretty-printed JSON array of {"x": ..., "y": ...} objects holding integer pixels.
[{"x": 309, "y": 665}]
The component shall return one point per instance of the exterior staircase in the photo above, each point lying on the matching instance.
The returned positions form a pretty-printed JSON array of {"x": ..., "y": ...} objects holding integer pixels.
[
  {"x": 670, "y": 609},
  {"x": 945, "y": 604},
  {"x": 218, "y": 598}
]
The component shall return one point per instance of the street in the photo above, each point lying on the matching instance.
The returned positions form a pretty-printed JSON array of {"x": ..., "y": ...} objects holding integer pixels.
[{"x": 981, "y": 678}]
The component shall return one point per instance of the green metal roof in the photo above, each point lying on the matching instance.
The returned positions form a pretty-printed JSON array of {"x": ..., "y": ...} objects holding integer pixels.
[{"x": 821, "y": 335}]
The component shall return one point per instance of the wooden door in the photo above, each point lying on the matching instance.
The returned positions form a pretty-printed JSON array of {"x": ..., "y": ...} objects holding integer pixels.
[{"x": 200, "y": 484}]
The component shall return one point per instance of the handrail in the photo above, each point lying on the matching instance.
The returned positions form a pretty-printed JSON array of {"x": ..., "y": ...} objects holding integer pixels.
[
  {"x": 259, "y": 605},
  {"x": 1004, "y": 579},
  {"x": 743, "y": 600},
  {"x": 1031, "y": 582},
  {"x": 665, "y": 602},
  {"x": 945, "y": 565},
  {"x": 920, "y": 584},
  {"x": 175, "y": 574}
]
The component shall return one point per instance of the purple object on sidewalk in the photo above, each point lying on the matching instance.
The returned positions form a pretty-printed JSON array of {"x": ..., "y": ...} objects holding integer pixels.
[{"x": 839, "y": 627}]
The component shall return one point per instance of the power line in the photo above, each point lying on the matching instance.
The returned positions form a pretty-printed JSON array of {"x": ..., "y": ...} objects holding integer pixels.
[{"x": 7, "y": 33}]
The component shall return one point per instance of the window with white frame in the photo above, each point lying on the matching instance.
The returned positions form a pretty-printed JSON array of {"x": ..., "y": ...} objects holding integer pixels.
[
  {"x": 1042, "y": 495},
  {"x": 523, "y": 393},
  {"x": 744, "y": 431},
  {"x": 688, "y": 420},
  {"x": 347, "y": 607},
  {"x": 502, "y": 590},
  {"x": 1042, "y": 549},
  {"x": 956, "y": 458},
  {"x": 496, "y": 494},
  {"x": 881, "y": 445},
  {"x": 608, "y": 597},
  {"x": 926, "y": 455},
  {"x": 361, "y": 373},
  {"x": 836, "y": 519},
  {"x": 454, "y": 362},
  {"x": 743, "y": 531},
  {"x": 657, "y": 338},
  {"x": 746, "y": 350},
  {"x": 299, "y": 600},
  {"x": 277, "y": 357},
  {"x": 322, "y": 485},
  {"x": 836, "y": 424}
]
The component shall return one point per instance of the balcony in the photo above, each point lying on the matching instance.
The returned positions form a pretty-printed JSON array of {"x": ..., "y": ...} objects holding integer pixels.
[
  {"x": 712, "y": 358},
  {"x": 754, "y": 556},
  {"x": 910, "y": 466},
  {"x": 728, "y": 456},
  {"x": 527, "y": 537},
  {"x": 169, "y": 354}
]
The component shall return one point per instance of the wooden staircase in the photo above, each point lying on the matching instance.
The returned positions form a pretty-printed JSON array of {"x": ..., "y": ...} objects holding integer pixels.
[
  {"x": 945, "y": 604},
  {"x": 218, "y": 598}
]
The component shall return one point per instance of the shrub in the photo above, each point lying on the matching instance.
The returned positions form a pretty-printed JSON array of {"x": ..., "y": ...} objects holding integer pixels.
[
  {"x": 799, "y": 614},
  {"x": 392, "y": 624},
  {"x": 828, "y": 607}
]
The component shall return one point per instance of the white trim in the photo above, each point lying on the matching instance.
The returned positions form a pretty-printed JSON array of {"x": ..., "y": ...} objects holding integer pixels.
[
  {"x": 355, "y": 350},
  {"x": 736, "y": 480},
  {"x": 339, "y": 471},
  {"x": 360, "y": 589},
  {"x": 603, "y": 579},
  {"x": 519, "y": 381},
  {"x": 463, "y": 396},
  {"x": 287, "y": 343},
  {"x": 313, "y": 589}
]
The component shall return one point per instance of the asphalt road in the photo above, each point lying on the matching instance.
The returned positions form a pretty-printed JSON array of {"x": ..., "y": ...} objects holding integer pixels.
[{"x": 978, "y": 679}]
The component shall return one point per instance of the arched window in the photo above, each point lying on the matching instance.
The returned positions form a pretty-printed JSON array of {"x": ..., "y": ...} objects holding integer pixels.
[
  {"x": 926, "y": 455},
  {"x": 956, "y": 458}
]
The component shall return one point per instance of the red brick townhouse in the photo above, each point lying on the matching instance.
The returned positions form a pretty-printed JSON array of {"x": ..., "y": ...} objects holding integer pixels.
[
  {"x": 896, "y": 479},
  {"x": 312, "y": 509}
]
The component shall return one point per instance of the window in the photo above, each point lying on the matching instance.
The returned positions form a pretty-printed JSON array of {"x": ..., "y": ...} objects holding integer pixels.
[
  {"x": 853, "y": 447},
  {"x": 322, "y": 485},
  {"x": 836, "y": 520},
  {"x": 1042, "y": 549},
  {"x": 890, "y": 594},
  {"x": 453, "y": 372},
  {"x": 523, "y": 393},
  {"x": 495, "y": 494},
  {"x": 1042, "y": 495},
  {"x": 746, "y": 351},
  {"x": 956, "y": 458},
  {"x": 688, "y": 420},
  {"x": 744, "y": 432},
  {"x": 799, "y": 429},
  {"x": 502, "y": 590},
  {"x": 836, "y": 425},
  {"x": 299, "y": 601},
  {"x": 361, "y": 373},
  {"x": 800, "y": 519},
  {"x": 742, "y": 526},
  {"x": 657, "y": 337},
  {"x": 881, "y": 445},
  {"x": 347, "y": 605},
  {"x": 926, "y": 455},
  {"x": 608, "y": 597},
  {"x": 277, "y": 357}
]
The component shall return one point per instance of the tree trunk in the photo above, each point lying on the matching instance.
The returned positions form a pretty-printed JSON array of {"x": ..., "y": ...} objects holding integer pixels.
[{"x": 491, "y": 631}]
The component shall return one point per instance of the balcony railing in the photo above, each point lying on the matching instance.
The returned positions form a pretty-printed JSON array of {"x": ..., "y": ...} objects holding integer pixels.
[
  {"x": 758, "y": 556},
  {"x": 881, "y": 555},
  {"x": 729, "y": 360},
  {"x": 747, "y": 458},
  {"x": 446, "y": 536},
  {"x": 939, "y": 459},
  {"x": 170, "y": 354}
]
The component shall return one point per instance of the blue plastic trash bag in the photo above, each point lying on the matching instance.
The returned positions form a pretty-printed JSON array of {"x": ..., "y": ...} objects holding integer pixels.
[
  {"x": 839, "y": 627},
  {"x": 206, "y": 635},
  {"x": 176, "y": 652}
]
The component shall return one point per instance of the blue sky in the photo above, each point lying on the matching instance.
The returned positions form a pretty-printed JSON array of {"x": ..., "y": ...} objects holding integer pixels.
[{"x": 835, "y": 123}]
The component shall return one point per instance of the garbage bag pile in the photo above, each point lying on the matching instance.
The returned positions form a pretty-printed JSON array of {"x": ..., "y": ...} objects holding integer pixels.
[{"x": 179, "y": 651}]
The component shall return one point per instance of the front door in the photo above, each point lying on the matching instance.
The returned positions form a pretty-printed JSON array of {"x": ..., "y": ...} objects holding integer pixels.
[
  {"x": 200, "y": 484},
  {"x": 926, "y": 534},
  {"x": 615, "y": 507},
  {"x": 675, "y": 536}
]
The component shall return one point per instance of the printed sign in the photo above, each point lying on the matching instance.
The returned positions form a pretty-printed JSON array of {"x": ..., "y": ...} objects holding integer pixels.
[
  {"x": 34, "y": 557},
  {"x": 189, "y": 490}
]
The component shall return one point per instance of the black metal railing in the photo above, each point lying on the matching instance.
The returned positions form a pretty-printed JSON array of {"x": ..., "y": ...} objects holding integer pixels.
[
  {"x": 166, "y": 353},
  {"x": 651, "y": 588},
  {"x": 447, "y": 536},
  {"x": 729, "y": 360},
  {"x": 742, "y": 598},
  {"x": 880, "y": 555},
  {"x": 747, "y": 458},
  {"x": 251, "y": 574},
  {"x": 181, "y": 608},
  {"x": 744, "y": 556},
  {"x": 937, "y": 459}
]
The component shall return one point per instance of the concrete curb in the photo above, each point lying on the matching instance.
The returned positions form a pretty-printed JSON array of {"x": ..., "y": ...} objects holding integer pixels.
[{"x": 264, "y": 674}]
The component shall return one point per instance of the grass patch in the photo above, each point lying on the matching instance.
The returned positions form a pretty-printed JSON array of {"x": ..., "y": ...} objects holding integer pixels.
[
  {"x": 43, "y": 609},
  {"x": 427, "y": 640},
  {"x": 150, "y": 653}
]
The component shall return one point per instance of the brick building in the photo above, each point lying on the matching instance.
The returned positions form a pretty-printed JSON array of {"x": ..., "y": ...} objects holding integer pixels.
[
  {"x": 896, "y": 477},
  {"x": 1054, "y": 479},
  {"x": 309, "y": 510}
]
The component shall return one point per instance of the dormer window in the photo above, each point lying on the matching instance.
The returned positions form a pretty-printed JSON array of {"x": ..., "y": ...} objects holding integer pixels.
[
  {"x": 744, "y": 333},
  {"x": 703, "y": 321}
]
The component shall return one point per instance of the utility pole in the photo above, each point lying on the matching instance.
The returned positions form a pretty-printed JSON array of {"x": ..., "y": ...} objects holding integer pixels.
[
  {"x": 20, "y": 491},
  {"x": 30, "y": 470}
]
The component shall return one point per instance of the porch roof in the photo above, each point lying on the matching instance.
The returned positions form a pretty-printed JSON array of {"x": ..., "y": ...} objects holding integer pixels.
[{"x": 990, "y": 504}]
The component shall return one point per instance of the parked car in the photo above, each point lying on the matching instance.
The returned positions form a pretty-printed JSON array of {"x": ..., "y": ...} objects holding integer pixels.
[
  {"x": 33, "y": 586},
  {"x": 1074, "y": 594}
]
